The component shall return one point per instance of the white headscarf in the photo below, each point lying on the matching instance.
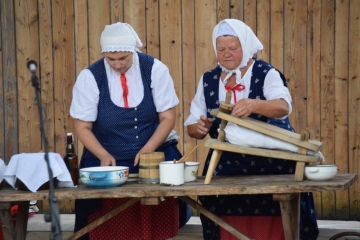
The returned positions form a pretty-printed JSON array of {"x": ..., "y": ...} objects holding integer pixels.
[
  {"x": 250, "y": 44},
  {"x": 119, "y": 37}
]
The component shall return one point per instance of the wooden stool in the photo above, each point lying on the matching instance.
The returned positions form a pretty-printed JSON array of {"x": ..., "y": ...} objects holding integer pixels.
[{"x": 219, "y": 145}]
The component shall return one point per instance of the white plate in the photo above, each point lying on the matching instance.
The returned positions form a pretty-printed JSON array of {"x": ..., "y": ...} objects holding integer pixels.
[{"x": 133, "y": 177}]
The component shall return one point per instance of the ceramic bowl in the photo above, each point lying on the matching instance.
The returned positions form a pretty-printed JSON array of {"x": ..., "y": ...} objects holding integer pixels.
[
  {"x": 320, "y": 172},
  {"x": 171, "y": 174},
  {"x": 104, "y": 177},
  {"x": 191, "y": 171}
]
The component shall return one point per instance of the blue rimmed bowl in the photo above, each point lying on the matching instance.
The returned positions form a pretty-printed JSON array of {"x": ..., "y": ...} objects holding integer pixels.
[{"x": 104, "y": 177}]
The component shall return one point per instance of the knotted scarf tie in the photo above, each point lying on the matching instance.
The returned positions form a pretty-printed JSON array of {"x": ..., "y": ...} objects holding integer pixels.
[
  {"x": 125, "y": 89},
  {"x": 237, "y": 87}
]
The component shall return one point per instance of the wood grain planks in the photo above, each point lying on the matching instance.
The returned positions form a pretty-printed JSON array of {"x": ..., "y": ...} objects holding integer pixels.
[
  {"x": 27, "y": 48},
  {"x": 327, "y": 78},
  {"x": 170, "y": 50},
  {"x": 340, "y": 103},
  {"x": 354, "y": 104},
  {"x": 189, "y": 79}
]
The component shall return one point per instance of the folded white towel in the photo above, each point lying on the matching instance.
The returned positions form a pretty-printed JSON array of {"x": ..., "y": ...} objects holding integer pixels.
[
  {"x": 242, "y": 136},
  {"x": 32, "y": 170}
]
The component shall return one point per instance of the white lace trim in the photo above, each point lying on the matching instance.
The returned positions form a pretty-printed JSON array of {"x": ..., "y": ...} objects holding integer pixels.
[{"x": 118, "y": 48}]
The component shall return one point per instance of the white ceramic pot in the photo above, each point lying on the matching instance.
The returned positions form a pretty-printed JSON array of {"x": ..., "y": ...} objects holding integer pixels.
[
  {"x": 191, "y": 171},
  {"x": 171, "y": 174},
  {"x": 320, "y": 172}
]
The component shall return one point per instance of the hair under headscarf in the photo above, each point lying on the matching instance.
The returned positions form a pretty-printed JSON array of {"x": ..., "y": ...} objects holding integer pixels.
[
  {"x": 250, "y": 44},
  {"x": 119, "y": 37}
]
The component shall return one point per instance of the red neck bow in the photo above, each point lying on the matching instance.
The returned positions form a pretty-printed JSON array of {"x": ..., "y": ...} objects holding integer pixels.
[{"x": 237, "y": 87}]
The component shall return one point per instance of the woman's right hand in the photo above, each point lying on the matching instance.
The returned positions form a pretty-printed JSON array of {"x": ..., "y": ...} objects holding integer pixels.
[
  {"x": 204, "y": 125},
  {"x": 107, "y": 160}
]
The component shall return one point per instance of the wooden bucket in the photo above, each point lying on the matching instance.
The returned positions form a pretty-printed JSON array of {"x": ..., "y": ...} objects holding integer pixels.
[{"x": 149, "y": 167}]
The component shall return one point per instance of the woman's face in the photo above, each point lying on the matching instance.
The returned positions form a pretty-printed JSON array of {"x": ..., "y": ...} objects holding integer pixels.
[
  {"x": 119, "y": 61},
  {"x": 229, "y": 51}
]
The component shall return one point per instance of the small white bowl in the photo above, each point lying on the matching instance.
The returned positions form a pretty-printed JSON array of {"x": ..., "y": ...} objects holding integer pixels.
[
  {"x": 320, "y": 172},
  {"x": 191, "y": 171}
]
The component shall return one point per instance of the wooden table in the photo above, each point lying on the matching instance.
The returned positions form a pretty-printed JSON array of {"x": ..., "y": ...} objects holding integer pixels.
[{"x": 283, "y": 188}]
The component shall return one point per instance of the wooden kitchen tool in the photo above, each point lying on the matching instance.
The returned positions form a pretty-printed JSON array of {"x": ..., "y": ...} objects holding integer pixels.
[
  {"x": 301, "y": 140},
  {"x": 187, "y": 155}
]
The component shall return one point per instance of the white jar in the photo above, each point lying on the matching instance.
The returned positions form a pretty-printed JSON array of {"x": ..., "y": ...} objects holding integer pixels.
[{"x": 171, "y": 174}]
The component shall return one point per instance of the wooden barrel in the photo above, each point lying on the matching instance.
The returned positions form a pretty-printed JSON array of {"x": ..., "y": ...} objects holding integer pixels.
[{"x": 149, "y": 167}]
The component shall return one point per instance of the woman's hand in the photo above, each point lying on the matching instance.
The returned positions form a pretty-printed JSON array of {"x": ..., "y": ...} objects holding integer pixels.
[
  {"x": 86, "y": 136},
  {"x": 204, "y": 125},
  {"x": 143, "y": 150},
  {"x": 244, "y": 107},
  {"x": 108, "y": 160},
  {"x": 275, "y": 108},
  {"x": 200, "y": 129}
]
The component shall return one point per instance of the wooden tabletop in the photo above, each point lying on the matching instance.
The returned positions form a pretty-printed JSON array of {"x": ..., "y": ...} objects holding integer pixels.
[{"x": 219, "y": 186}]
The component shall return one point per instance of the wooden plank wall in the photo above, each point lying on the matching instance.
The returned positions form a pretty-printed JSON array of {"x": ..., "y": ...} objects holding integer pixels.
[{"x": 314, "y": 42}]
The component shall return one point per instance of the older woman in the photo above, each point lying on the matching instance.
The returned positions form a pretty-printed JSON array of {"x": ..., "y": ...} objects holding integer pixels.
[
  {"x": 124, "y": 105},
  {"x": 258, "y": 91}
]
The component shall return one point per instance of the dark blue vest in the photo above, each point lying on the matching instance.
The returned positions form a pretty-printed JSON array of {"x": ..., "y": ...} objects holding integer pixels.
[{"x": 123, "y": 131}]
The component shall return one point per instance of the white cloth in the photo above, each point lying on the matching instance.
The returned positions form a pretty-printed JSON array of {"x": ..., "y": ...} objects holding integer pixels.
[
  {"x": 273, "y": 89},
  {"x": 2, "y": 169},
  {"x": 32, "y": 170},
  {"x": 250, "y": 44},
  {"x": 119, "y": 37},
  {"x": 242, "y": 136}
]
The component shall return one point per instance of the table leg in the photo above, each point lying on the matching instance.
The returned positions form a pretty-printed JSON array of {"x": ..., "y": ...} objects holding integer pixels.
[
  {"x": 22, "y": 219},
  {"x": 215, "y": 218},
  {"x": 290, "y": 214},
  {"x": 7, "y": 225}
]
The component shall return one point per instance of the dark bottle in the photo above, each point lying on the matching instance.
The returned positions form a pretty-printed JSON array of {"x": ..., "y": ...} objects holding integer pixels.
[{"x": 71, "y": 159}]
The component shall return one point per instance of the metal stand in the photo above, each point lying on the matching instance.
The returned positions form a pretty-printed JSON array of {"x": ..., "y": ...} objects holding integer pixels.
[{"x": 53, "y": 215}]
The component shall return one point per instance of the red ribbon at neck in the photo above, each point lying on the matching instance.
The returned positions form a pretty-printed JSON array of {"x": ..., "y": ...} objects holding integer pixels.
[
  {"x": 237, "y": 87},
  {"x": 125, "y": 89}
]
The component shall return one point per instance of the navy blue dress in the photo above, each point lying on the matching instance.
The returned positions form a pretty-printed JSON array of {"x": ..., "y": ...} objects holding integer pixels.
[
  {"x": 123, "y": 132},
  {"x": 240, "y": 164}
]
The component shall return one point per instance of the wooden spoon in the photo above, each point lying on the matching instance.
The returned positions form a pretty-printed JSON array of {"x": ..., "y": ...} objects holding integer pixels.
[{"x": 187, "y": 155}]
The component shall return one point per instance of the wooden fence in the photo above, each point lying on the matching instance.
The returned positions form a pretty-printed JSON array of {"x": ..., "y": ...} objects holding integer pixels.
[{"x": 314, "y": 42}]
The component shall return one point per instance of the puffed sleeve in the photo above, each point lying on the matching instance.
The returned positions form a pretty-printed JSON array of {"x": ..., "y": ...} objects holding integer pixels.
[
  {"x": 162, "y": 85},
  {"x": 274, "y": 88},
  {"x": 85, "y": 99}
]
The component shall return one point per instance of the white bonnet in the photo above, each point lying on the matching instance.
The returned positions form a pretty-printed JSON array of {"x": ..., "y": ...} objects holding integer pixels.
[
  {"x": 119, "y": 37},
  {"x": 249, "y": 42}
]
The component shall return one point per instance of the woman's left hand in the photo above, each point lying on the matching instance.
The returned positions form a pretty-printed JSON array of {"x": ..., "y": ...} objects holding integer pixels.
[
  {"x": 137, "y": 157},
  {"x": 244, "y": 107}
]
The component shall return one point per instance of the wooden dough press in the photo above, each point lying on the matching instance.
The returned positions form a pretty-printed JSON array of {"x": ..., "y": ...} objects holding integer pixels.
[{"x": 301, "y": 140}]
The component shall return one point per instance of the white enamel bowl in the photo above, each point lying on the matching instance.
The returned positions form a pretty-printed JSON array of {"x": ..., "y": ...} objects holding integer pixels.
[
  {"x": 320, "y": 172},
  {"x": 104, "y": 177},
  {"x": 191, "y": 171}
]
